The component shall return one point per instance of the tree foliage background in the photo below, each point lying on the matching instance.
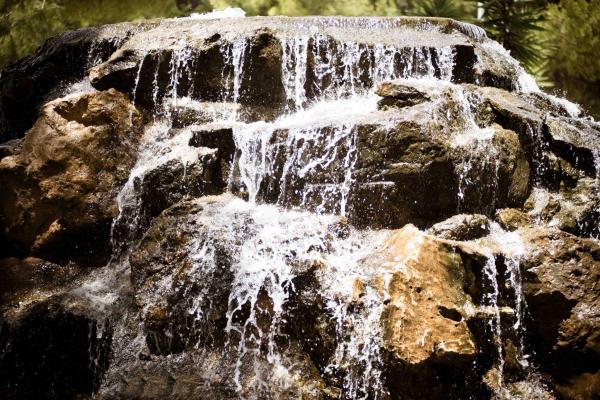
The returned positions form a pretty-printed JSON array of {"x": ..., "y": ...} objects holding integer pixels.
[{"x": 556, "y": 40}]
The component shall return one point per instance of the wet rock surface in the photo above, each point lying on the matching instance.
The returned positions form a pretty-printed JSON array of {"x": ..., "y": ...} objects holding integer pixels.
[
  {"x": 322, "y": 208},
  {"x": 427, "y": 306},
  {"x": 561, "y": 280},
  {"x": 61, "y": 186},
  {"x": 462, "y": 227}
]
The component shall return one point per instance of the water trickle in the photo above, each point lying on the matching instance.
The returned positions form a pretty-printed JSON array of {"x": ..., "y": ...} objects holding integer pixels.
[
  {"x": 159, "y": 146},
  {"x": 358, "y": 355},
  {"x": 293, "y": 68},
  {"x": 99, "y": 50},
  {"x": 179, "y": 68},
  {"x": 310, "y": 141},
  {"x": 490, "y": 301},
  {"x": 233, "y": 55},
  {"x": 505, "y": 304},
  {"x": 478, "y": 169},
  {"x": 273, "y": 248},
  {"x": 513, "y": 251},
  {"x": 539, "y": 148}
]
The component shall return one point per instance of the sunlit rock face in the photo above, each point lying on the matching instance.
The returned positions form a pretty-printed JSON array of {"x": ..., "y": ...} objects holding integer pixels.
[
  {"x": 316, "y": 208},
  {"x": 60, "y": 185}
]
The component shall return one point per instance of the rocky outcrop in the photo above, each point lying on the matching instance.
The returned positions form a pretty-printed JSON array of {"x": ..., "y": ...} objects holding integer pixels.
[
  {"x": 149, "y": 62},
  {"x": 562, "y": 275},
  {"x": 61, "y": 185},
  {"x": 45, "y": 75},
  {"x": 319, "y": 208},
  {"x": 425, "y": 331},
  {"x": 393, "y": 154}
]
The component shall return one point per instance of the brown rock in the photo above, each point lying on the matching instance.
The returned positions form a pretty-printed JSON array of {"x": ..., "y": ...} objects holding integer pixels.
[
  {"x": 462, "y": 227},
  {"x": 513, "y": 112},
  {"x": 426, "y": 335},
  {"x": 64, "y": 180},
  {"x": 511, "y": 218},
  {"x": 561, "y": 289},
  {"x": 574, "y": 140},
  {"x": 425, "y": 318},
  {"x": 32, "y": 279},
  {"x": 573, "y": 208},
  {"x": 400, "y": 94}
]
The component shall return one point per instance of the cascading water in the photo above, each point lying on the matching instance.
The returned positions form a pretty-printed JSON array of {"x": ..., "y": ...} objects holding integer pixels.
[
  {"x": 297, "y": 160},
  {"x": 319, "y": 134},
  {"x": 477, "y": 148},
  {"x": 341, "y": 92}
]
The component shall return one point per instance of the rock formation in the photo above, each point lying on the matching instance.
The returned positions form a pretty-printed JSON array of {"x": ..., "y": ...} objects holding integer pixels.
[{"x": 314, "y": 208}]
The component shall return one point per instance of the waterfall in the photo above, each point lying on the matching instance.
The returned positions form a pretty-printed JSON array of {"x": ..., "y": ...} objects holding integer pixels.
[
  {"x": 332, "y": 207},
  {"x": 315, "y": 133}
]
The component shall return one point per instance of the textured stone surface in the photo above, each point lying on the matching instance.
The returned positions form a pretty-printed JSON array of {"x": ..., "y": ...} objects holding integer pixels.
[
  {"x": 562, "y": 274},
  {"x": 314, "y": 208},
  {"x": 462, "y": 227},
  {"x": 426, "y": 301},
  {"x": 64, "y": 180}
]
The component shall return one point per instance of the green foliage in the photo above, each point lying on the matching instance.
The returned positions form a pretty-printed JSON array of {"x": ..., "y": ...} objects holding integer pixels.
[
  {"x": 441, "y": 8},
  {"x": 573, "y": 39},
  {"x": 25, "y": 24},
  {"x": 514, "y": 24}
]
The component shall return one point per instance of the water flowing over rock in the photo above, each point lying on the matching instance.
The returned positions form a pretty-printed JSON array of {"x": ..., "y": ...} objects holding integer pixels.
[{"x": 316, "y": 208}]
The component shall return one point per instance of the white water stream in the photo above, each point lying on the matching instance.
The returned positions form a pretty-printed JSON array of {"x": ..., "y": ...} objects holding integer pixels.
[{"x": 319, "y": 125}]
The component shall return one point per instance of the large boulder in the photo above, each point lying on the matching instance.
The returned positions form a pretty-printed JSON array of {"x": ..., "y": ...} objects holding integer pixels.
[
  {"x": 558, "y": 143},
  {"x": 61, "y": 186},
  {"x": 426, "y": 337},
  {"x": 562, "y": 273},
  {"x": 143, "y": 68},
  {"x": 186, "y": 275}
]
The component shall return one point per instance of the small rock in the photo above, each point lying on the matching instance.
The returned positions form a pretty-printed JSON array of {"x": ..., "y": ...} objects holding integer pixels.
[
  {"x": 403, "y": 93},
  {"x": 462, "y": 227},
  {"x": 511, "y": 218}
]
